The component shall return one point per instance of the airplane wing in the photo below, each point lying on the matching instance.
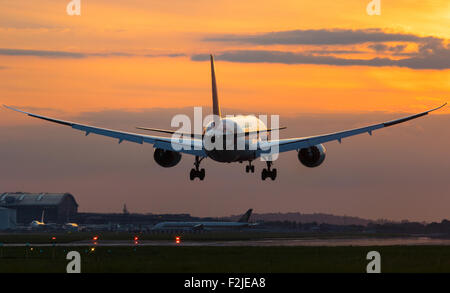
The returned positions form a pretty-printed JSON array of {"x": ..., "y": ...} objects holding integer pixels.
[
  {"x": 304, "y": 142},
  {"x": 189, "y": 146}
]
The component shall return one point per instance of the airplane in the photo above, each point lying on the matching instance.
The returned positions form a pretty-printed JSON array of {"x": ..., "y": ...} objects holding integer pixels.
[
  {"x": 195, "y": 226},
  {"x": 71, "y": 227},
  {"x": 168, "y": 150},
  {"x": 35, "y": 224}
]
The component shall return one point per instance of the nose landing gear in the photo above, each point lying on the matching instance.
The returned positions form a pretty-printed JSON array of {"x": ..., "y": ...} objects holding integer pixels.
[
  {"x": 197, "y": 172},
  {"x": 272, "y": 173}
]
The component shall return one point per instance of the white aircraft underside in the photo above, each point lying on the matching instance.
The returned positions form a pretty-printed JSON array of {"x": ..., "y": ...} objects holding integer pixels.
[{"x": 168, "y": 150}]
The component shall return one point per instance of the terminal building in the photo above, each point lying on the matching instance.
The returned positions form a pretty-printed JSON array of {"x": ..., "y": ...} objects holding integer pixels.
[{"x": 58, "y": 207}]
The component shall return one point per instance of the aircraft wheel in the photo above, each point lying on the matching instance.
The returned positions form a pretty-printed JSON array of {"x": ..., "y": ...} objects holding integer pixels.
[
  {"x": 252, "y": 168},
  {"x": 202, "y": 174},
  {"x": 193, "y": 174},
  {"x": 264, "y": 174},
  {"x": 247, "y": 169},
  {"x": 273, "y": 174}
]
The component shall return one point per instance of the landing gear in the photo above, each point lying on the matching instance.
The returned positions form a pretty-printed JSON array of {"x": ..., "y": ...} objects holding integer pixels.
[
  {"x": 250, "y": 167},
  {"x": 197, "y": 172},
  {"x": 268, "y": 172}
]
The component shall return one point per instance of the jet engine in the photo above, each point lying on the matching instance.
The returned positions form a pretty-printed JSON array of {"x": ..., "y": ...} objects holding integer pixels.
[
  {"x": 165, "y": 158},
  {"x": 313, "y": 156}
]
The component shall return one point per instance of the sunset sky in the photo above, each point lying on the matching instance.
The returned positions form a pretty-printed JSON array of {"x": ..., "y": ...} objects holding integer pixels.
[{"x": 326, "y": 59}]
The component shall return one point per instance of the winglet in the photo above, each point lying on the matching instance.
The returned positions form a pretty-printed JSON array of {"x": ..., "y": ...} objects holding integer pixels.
[{"x": 13, "y": 109}]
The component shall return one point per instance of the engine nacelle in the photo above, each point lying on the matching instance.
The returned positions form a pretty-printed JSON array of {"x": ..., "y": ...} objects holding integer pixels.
[
  {"x": 165, "y": 158},
  {"x": 313, "y": 156}
]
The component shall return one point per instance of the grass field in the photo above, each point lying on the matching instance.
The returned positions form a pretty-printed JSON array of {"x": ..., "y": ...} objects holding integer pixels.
[{"x": 181, "y": 259}]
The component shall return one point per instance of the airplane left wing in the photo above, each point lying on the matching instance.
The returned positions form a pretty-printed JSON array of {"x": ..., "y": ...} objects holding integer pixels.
[
  {"x": 188, "y": 146},
  {"x": 290, "y": 144}
]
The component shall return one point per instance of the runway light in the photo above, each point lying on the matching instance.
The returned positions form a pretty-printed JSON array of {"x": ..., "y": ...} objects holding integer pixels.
[
  {"x": 53, "y": 238},
  {"x": 95, "y": 238},
  {"x": 178, "y": 240},
  {"x": 92, "y": 249}
]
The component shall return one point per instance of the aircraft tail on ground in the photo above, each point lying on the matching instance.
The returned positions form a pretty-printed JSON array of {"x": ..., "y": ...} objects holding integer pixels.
[{"x": 246, "y": 216}]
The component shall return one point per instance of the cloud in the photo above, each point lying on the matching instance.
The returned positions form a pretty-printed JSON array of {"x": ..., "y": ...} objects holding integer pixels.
[
  {"x": 318, "y": 37},
  {"x": 68, "y": 54},
  {"x": 386, "y": 48},
  {"x": 41, "y": 53},
  {"x": 432, "y": 52},
  {"x": 254, "y": 56},
  {"x": 439, "y": 59}
]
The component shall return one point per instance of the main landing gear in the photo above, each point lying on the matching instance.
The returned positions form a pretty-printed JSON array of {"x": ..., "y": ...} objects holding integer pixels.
[
  {"x": 250, "y": 168},
  {"x": 197, "y": 172},
  {"x": 268, "y": 172}
]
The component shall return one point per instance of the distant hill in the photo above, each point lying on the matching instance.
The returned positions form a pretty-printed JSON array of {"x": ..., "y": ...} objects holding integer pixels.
[{"x": 319, "y": 218}]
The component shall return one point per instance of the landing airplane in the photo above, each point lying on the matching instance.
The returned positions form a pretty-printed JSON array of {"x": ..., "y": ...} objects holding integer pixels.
[
  {"x": 194, "y": 226},
  {"x": 168, "y": 150}
]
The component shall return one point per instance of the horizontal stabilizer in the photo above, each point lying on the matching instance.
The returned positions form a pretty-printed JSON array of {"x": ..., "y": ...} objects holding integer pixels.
[
  {"x": 200, "y": 136},
  {"x": 193, "y": 135}
]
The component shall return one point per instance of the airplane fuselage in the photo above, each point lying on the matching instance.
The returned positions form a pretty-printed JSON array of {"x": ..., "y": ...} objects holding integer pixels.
[
  {"x": 227, "y": 140},
  {"x": 199, "y": 225}
]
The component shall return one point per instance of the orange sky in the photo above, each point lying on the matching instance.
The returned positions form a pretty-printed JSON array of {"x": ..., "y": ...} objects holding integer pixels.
[
  {"x": 179, "y": 26},
  {"x": 80, "y": 66}
]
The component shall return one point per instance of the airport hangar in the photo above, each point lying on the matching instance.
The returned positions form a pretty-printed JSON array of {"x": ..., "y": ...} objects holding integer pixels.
[
  {"x": 21, "y": 208},
  {"x": 58, "y": 207}
]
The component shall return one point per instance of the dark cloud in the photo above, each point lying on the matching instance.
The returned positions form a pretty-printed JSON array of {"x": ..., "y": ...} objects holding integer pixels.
[
  {"x": 398, "y": 173},
  {"x": 428, "y": 57},
  {"x": 41, "y": 53},
  {"x": 253, "y": 56},
  {"x": 386, "y": 48},
  {"x": 432, "y": 53},
  {"x": 318, "y": 37},
  {"x": 67, "y": 54}
]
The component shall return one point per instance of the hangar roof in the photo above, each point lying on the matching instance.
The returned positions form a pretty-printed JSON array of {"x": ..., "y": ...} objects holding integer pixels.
[{"x": 10, "y": 199}]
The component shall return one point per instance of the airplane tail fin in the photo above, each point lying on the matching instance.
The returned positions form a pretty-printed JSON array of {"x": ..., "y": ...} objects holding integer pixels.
[
  {"x": 246, "y": 216},
  {"x": 215, "y": 98},
  {"x": 42, "y": 217}
]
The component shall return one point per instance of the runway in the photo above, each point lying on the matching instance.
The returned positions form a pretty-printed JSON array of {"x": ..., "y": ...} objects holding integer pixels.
[{"x": 263, "y": 243}]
